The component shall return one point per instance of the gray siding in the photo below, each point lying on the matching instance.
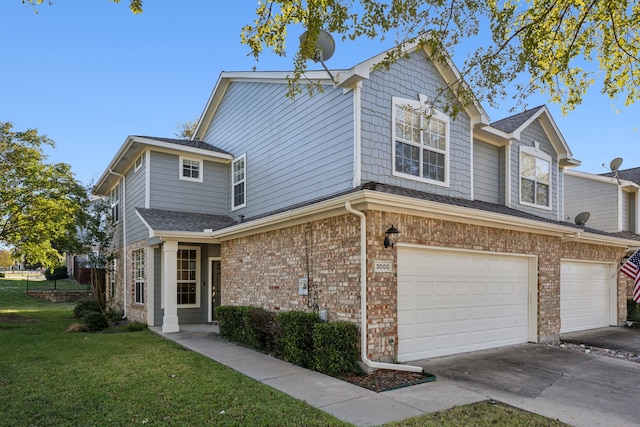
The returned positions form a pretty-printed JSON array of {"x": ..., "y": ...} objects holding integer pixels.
[
  {"x": 633, "y": 212},
  {"x": 135, "y": 194},
  {"x": 488, "y": 172},
  {"x": 535, "y": 133},
  {"x": 296, "y": 150},
  {"x": 580, "y": 196},
  {"x": 407, "y": 79},
  {"x": 168, "y": 191},
  {"x": 629, "y": 211}
]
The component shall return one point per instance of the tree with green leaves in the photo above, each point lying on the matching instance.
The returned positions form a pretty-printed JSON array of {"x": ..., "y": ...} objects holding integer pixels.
[
  {"x": 134, "y": 5},
  {"x": 95, "y": 233},
  {"x": 186, "y": 130},
  {"x": 543, "y": 46},
  {"x": 39, "y": 201},
  {"x": 6, "y": 260}
]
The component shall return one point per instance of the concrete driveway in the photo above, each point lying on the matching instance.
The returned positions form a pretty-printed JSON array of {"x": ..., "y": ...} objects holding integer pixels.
[{"x": 576, "y": 388}]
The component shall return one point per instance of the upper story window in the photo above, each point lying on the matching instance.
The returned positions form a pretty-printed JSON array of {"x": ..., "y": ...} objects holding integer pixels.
[
  {"x": 114, "y": 198},
  {"x": 238, "y": 182},
  {"x": 138, "y": 163},
  {"x": 420, "y": 142},
  {"x": 190, "y": 169},
  {"x": 535, "y": 177}
]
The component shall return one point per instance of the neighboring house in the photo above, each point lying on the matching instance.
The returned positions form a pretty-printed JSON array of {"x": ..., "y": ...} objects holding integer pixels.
[
  {"x": 611, "y": 202},
  {"x": 284, "y": 205}
]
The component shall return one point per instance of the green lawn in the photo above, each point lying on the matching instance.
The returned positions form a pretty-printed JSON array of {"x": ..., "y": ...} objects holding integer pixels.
[{"x": 50, "y": 377}]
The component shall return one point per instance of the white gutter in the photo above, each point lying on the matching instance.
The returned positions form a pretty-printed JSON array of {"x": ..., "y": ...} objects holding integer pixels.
[
  {"x": 124, "y": 239},
  {"x": 363, "y": 300}
]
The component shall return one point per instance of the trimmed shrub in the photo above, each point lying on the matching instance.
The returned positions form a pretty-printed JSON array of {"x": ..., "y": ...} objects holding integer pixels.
[
  {"x": 633, "y": 310},
  {"x": 296, "y": 336},
  {"x": 57, "y": 273},
  {"x": 115, "y": 314},
  {"x": 84, "y": 307},
  {"x": 260, "y": 329},
  {"x": 336, "y": 349},
  {"x": 1, "y": 275},
  {"x": 95, "y": 321},
  {"x": 231, "y": 322}
]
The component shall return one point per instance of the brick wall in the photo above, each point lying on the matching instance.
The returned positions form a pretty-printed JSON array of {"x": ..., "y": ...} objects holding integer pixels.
[
  {"x": 137, "y": 312},
  {"x": 263, "y": 270}
]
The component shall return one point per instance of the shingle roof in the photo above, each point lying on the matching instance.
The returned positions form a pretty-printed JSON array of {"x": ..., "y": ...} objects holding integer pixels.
[
  {"x": 510, "y": 124},
  {"x": 186, "y": 143},
  {"x": 166, "y": 220},
  {"x": 632, "y": 174}
]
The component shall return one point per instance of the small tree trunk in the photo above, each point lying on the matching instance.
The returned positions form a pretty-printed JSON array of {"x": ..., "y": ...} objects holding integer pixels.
[{"x": 98, "y": 288}]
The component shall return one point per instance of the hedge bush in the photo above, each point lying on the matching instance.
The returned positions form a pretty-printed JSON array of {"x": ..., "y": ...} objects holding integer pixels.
[
  {"x": 260, "y": 329},
  {"x": 296, "y": 336},
  {"x": 633, "y": 310},
  {"x": 84, "y": 307},
  {"x": 95, "y": 321},
  {"x": 336, "y": 349},
  {"x": 231, "y": 322}
]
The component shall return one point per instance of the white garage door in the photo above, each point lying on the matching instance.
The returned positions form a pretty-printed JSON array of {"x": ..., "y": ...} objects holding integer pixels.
[
  {"x": 585, "y": 295},
  {"x": 455, "y": 302}
]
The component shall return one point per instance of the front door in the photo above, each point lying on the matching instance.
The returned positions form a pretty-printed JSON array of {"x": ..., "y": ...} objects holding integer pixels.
[{"x": 215, "y": 287}]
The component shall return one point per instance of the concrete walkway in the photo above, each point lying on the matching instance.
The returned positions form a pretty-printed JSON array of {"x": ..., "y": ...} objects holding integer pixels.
[{"x": 346, "y": 401}]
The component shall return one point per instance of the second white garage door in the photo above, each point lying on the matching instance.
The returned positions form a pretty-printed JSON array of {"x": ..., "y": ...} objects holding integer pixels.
[
  {"x": 586, "y": 292},
  {"x": 453, "y": 302}
]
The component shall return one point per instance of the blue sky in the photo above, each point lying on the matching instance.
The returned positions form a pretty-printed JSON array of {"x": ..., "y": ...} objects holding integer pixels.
[{"x": 89, "y": 73}]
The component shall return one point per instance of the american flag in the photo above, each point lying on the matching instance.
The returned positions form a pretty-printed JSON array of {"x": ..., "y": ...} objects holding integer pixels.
[{"x": 632, "y": 269}]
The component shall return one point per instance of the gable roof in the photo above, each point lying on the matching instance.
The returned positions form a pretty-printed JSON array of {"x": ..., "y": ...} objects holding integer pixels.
[
  {"x": 511, "y": 127},
  {"x": 513, "y": 123},
  {"x": 345, "y": 78},
  {"x": 135, "y": 145}
]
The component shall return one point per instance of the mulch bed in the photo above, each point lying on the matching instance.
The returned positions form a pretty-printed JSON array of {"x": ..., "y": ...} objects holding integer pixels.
[{"x": 387, "y": 379}]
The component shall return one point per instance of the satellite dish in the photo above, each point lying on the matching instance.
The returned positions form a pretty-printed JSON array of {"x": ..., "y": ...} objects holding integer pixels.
[
  {"x": 324, "y": 46},
  {"x": 615, "y": 164},
  {"x": 582, "y": 218}
]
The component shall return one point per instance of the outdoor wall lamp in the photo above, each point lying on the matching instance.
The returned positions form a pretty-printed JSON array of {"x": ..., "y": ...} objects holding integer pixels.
[{"x": 391, "y": 238}]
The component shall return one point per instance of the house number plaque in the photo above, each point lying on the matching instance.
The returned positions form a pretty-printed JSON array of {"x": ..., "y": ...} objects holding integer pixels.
[{"x": 382, "y": 266}]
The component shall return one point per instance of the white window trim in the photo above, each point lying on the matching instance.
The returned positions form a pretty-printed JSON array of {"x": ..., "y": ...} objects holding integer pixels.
[
  {"x": 187, "y": 178},
  {"x": 114, "y": 197},
  {"x": 420, "y": 105},
  {"x": 138, "y": 163},
  {"x": 198, "y": 287},
  {"x": 233, "y": 183},
  {"x": 535, "y": 152},
  {"x": 137, "y": 280}
]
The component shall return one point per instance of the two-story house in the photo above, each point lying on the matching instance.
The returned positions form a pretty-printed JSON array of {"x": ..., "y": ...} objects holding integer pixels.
[
  {"x": 611, "y": 201},
  {"x": 285, "y": 204}
]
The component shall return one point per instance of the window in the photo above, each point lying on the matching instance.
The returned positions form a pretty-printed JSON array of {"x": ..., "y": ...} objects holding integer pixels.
[
  {"x": 420, "y": 142},
  {"x": 115, "y": 203},
  {"x": 188, "y": 274},
  {"x": 138, "y": 163},
  {"x": 238, "y": 182},
  {"x": 190, "y": 169},
  {"x": 535, "y": 177},
  {"x": 138, "y": 276},
  {"x": 112, "y": 278}
]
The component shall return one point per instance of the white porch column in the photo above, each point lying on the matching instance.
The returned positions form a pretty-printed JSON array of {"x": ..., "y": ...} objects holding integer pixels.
[{"x": 169, "y": 287}]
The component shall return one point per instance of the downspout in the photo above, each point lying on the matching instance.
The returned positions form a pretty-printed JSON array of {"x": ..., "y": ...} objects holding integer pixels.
[
  {"x": 363, "y": 300},
  {"x": 124, "y": 239}
]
